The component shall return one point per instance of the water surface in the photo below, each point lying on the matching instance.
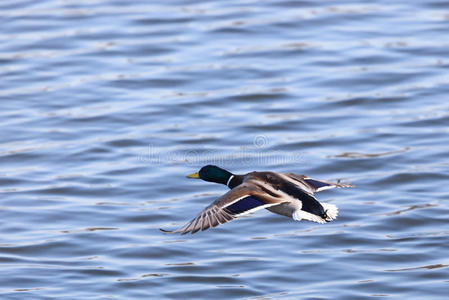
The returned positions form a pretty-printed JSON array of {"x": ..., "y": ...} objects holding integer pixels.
[{"x": 107, "y": 105}]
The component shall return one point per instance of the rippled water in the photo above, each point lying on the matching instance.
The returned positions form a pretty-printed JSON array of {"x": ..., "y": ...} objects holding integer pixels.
[{"x": 107, "y": 105}]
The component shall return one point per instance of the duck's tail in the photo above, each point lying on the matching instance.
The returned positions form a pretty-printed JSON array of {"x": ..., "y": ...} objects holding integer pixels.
[{"x": 331, "y": 211}]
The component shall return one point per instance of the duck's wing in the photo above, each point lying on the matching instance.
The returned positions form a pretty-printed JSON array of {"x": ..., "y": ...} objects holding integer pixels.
[
  {"x": 241, "y": 200},
  {"x": 314, "y": 185}
]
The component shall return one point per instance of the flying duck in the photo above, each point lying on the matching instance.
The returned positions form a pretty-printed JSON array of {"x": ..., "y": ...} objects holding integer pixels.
[{"x": 289, "y": 194}]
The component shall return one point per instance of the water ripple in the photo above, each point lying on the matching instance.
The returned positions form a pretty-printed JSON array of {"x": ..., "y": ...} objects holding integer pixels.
[{"x": 106, "y": 106}]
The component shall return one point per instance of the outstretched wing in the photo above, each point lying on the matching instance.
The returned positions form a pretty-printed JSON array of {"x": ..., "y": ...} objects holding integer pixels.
[
  {"x": 314, "y": 185},
  {"x": 239, "y": 201}
]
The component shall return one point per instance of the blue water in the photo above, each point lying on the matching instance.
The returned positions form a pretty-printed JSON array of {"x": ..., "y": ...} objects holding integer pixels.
[{"x": 105, "y": 106}]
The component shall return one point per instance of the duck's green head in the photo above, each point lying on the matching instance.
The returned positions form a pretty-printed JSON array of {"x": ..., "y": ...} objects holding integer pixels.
[{"x": 212, "y": 173}]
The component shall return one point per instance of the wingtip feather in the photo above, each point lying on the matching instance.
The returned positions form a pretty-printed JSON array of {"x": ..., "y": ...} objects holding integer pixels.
[{"x": 344, "y": 185}]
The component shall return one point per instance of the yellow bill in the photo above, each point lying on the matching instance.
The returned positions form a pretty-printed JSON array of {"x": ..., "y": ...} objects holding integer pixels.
[{"x": 194, "y": 175}]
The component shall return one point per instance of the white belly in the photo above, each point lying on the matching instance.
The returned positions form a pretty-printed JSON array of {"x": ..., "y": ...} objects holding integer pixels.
[{"x": 285, "y": 209}]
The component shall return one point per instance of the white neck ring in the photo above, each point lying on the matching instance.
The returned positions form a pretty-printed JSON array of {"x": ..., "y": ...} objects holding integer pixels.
[{"x": 229, "y": 180}]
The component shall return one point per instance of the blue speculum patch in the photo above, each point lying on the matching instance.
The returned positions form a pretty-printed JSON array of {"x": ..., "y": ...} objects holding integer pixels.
[
  {"x": 316, "y": 184},
  {"x": 243, "y": 205}
]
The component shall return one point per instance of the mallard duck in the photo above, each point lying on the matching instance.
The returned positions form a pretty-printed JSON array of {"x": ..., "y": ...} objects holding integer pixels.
[{"x": 289, "y": 194}]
